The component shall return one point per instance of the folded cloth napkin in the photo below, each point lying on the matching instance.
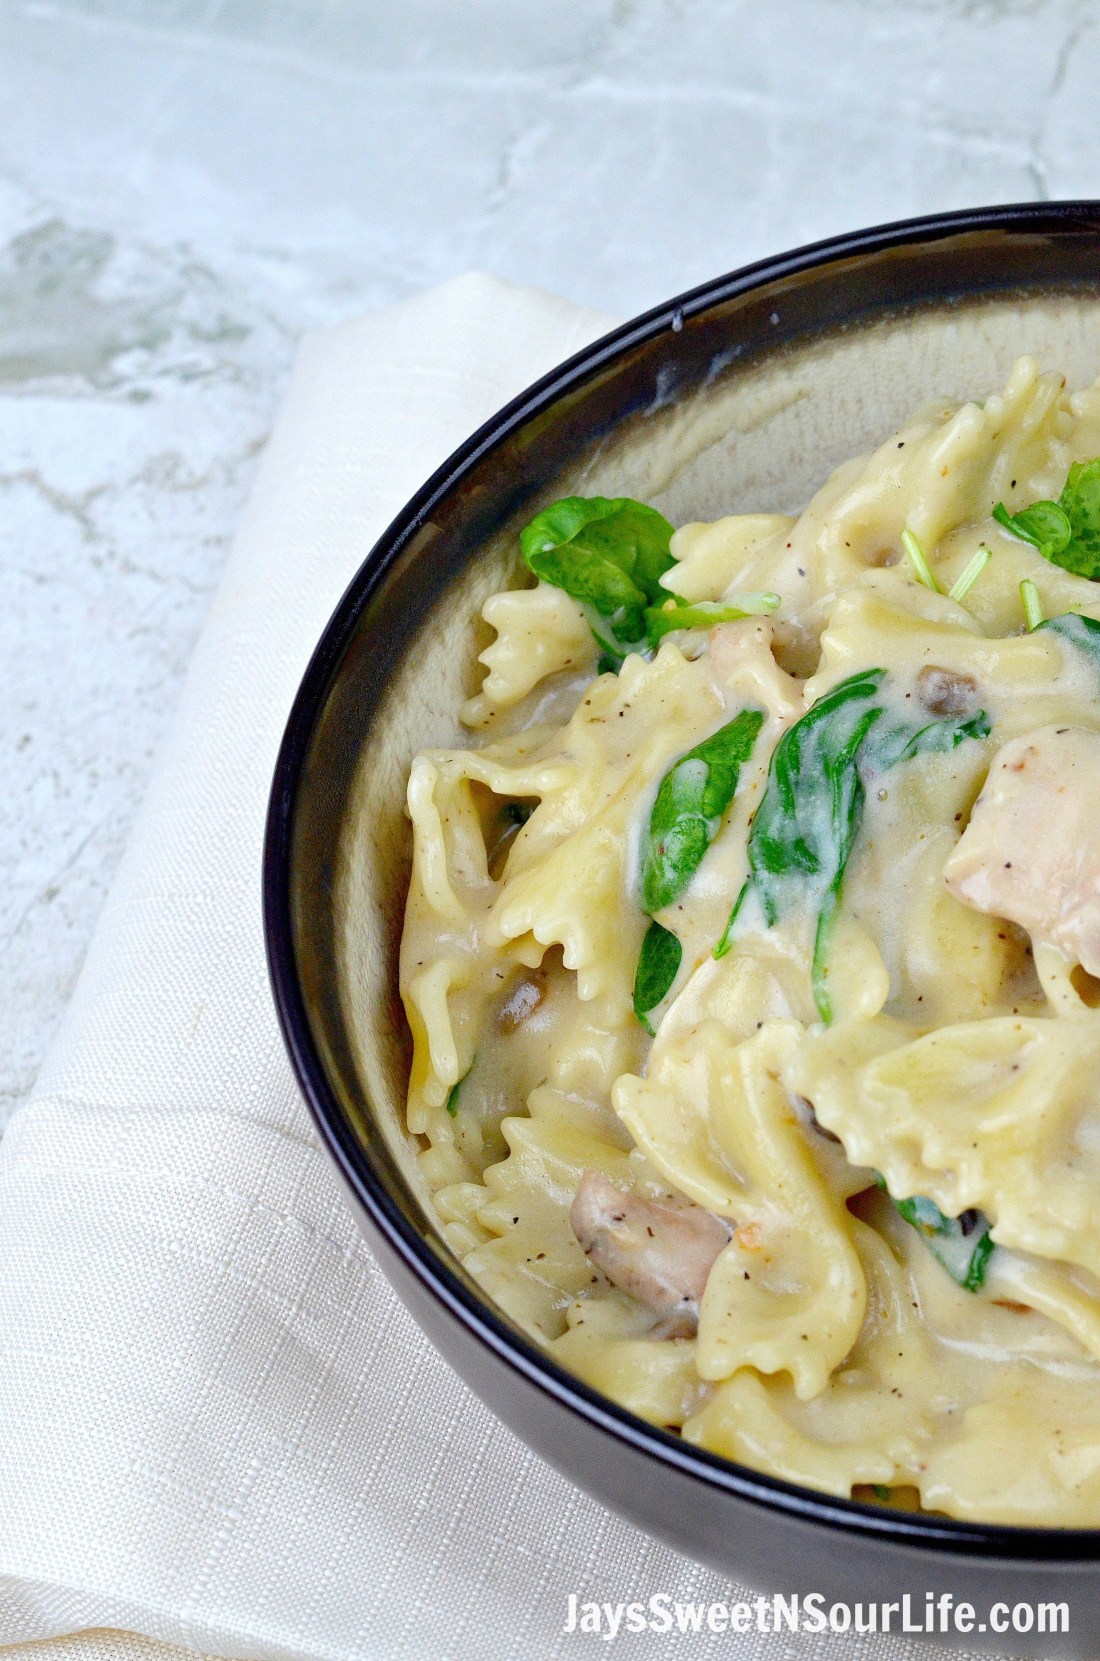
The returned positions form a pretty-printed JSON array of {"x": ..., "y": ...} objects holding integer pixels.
[{"x": 220, "y": 1428}]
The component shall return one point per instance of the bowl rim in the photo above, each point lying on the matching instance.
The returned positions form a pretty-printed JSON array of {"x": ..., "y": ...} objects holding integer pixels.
[{"x": 944, "y": 1536}]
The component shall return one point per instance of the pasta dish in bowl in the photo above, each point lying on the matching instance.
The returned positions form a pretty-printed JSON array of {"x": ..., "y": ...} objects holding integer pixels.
[
  {"x": 680, "y": 911},
  {"x": 750, "y": 957}
]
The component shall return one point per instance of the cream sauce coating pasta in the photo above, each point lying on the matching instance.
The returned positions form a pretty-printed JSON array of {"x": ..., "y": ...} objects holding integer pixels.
[{"x": 814, "y": 1097}]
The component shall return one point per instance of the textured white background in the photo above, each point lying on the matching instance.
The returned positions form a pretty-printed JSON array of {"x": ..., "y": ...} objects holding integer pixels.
[{"x": 184, "y": 184}]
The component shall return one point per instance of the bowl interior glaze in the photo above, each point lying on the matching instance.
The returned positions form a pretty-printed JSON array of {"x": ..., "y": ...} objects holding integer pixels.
[{"x": 742, "y": 396}]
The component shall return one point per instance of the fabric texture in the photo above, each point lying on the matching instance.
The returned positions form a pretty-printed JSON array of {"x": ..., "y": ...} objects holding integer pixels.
[{"x": 221, "y": 1430}]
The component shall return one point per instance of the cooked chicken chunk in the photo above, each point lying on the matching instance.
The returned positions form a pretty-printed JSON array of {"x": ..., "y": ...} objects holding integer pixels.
[
  {"x": 659, "y": 1254},
  {"x": 1031, "y": 852}
]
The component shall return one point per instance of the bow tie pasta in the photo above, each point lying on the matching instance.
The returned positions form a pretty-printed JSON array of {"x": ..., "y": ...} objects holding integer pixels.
[{"x": 752, "y": 962}]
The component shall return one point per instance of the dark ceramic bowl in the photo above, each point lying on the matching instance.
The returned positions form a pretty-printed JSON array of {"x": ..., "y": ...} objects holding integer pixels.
[{"x": 741, "y": 395}]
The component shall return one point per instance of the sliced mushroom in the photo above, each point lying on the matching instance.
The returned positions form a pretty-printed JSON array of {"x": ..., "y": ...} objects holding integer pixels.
[
  {"x": 659, "y": 1254},
  {"x": 945, "y": 691},
  {"x": 522, "y": 1001}
]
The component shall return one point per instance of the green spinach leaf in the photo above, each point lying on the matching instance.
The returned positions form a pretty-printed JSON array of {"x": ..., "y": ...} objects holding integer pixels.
[
  {"x": 1067, "y": 532},
  {"x": 452, "y": 1099},
  {"x": 805, "y": 828},
  {"x": 691, "y": 799},
  {"x": 607, "y": 552},
  {"x": 806, "y": 824},
  {"x": 1082, "y": 632},
  {"x": 1044, "y": 524},
  {"x": 658, "y": 966},
  {"x": 810, "y": 812},
  {"x": 891, "y": 744},
  {"x": 963, "y": 1245},
  {"x": 703, "y": 614}
]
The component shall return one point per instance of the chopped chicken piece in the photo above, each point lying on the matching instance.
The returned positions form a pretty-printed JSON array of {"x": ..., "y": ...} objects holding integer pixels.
[
  {"x": 659, "y": 1254},
  {"x": 1031, "y": 852}
]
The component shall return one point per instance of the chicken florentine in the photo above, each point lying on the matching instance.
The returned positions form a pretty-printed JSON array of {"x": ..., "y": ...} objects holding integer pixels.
[{"x": 752, "y": 961}]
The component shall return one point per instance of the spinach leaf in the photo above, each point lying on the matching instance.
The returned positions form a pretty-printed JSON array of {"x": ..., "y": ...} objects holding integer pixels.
[
  {"x": 805, "y": 828},
  {"x": 690, "y": 802},
  {"x": 806, "y": 825},
  {"x": 811, "y": 805},
  {"x": 691, "y": 799},
  {"x": 501, "y": 834},
  {"x": 658, "y": 965},
  {"x": 703, "y": 614},
  {"x": 1082, "y": 632},
  {"x": 889, "y": 745},
  {"x": 608, "y": 553},
  {"x": 963, "y": 1245},
  {"x": 452, "y": 1099},
  {"x": 1081, "y": 501},
  {"x": 1044, "y": 524},
  {"x": 1067, "y": 532}
]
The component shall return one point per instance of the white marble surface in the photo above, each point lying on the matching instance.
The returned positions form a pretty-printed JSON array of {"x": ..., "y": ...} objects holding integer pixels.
[{"x": 186, "y": 184}]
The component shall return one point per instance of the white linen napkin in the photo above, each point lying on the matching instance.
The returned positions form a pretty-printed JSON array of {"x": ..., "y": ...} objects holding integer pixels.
[{"x": 220, "y": 1429}]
